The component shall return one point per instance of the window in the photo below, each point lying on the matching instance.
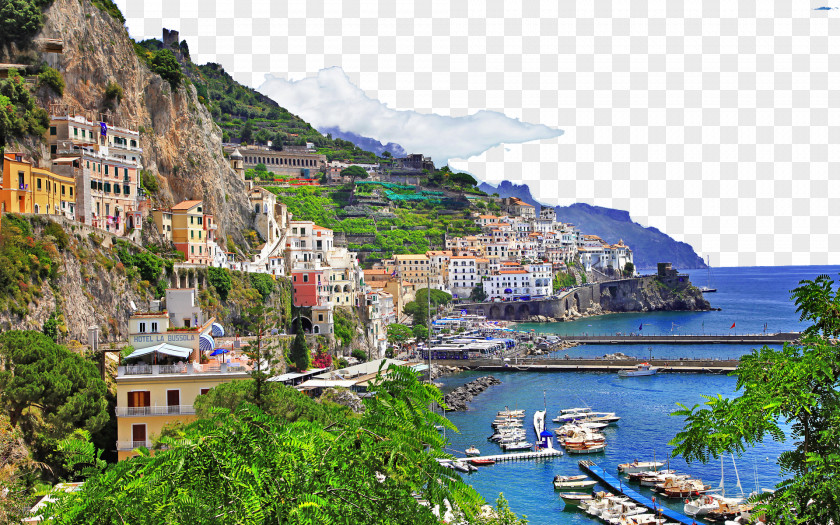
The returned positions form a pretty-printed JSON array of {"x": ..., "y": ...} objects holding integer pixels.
[
  {"x": 117, "y": 189},
  {"x": 191, "y": 219},
  {"x": 203, "y": 390},
  {"x": 107, "y": 209},
  {"x": 38, "y": 183},
  {"x": 154, "y": 327},
  {"x": 106, "y": 169},
  {"x": 306, "y": 277},
  {"x": 53, "y": 149},
  {"x": 125, "y": 173},
  {"x": 108, "y": 187},
  {"x": 53, "y": 130},
  {"x": 192, "y": 250},
  {"x": 320, "y": 317},
  {"x": 139, "y": 398},
  {"x": 75, "y": 132},
  {"x": 63, "y": 189},
  {"x": 192, "y": 234},
  {"x": 200, "y": 221},
  {"x": 142, "y": 328},
  {"x": 127, "y": 189},
  {"x": 93, "y": 184}
]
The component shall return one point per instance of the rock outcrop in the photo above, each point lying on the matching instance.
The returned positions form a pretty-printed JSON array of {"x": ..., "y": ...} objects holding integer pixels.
[
  {"x": 182, "y": 146},
  {"x": 652, "y": 293},
  {"x": 458, "y": 398}
]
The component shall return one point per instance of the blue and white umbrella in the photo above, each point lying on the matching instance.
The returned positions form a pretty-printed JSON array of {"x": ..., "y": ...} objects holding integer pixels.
[
  {"x": 206, "y": 343},
  {"x": 217, "y": 330}
]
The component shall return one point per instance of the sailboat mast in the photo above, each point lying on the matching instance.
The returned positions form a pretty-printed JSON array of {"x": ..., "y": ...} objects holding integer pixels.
[
  {"x": 737, "y": 477},
  {"x": 722, "y": 488}
]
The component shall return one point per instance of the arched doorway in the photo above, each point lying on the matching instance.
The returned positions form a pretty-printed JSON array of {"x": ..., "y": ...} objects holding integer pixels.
[
  {"x": 523, "y": 313},
  {"x": 509, "y": 312},
  {"x": 305, "y": 324},
  {"x": 577, "y": 301},
  {"x": 495, "y": 312}
]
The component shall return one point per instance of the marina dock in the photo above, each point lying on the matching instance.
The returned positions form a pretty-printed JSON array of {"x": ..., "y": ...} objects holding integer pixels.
[
  {"x": 516, "y": 456},
  {"x": 617, "y": 485}
]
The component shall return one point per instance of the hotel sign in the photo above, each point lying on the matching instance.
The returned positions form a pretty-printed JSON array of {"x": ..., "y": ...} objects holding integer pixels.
[{"x": 156, "y": 339}]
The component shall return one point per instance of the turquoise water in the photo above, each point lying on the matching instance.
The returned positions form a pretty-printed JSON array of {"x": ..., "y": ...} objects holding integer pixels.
[{"x": 749, "y": 297}]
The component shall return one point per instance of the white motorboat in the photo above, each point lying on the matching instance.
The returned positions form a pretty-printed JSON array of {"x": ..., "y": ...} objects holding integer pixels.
[
  {"x": 661, "y": 479},
  {"x": 511, "y": 413},
  {"x": 638, "y": 466},
  {"x": 539, "y": 422},
  {"x": 521, "y": 445},
  {"x": 573, "y": 483},
  {"x": 472, "y": 451},
  {"x": 642, "y": 369}
]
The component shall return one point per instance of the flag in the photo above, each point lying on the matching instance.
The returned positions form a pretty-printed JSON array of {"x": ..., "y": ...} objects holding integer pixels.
[
  {"x": 103, "y": 128},
  {"x": 733, "y": 326},
  {"x": 640, "y": 327}
]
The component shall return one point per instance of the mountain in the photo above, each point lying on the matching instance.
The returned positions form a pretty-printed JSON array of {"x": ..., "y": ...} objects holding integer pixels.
[
  {"x": 365, "y": 143},
  {"x": 649, "y": 245}
]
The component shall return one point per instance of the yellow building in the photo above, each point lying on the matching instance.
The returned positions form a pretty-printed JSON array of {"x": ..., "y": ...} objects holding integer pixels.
[
  {"x": 27, "y": 189},
  {"x": 159, "y": 382},
  {"x": 191, "y": 231}
]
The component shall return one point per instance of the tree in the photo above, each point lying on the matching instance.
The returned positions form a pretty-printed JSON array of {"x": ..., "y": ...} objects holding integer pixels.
[
  {"x": 629, "y": 268},
  {"x": 398, "y": 333},
  {"x": 114, "y": 94},
  {"x": 51, "y": 327},
  {"x": 260, "y": 321},
  {"x": 386, "y": 154},
  {"x": 478, "y": 294},
  {"x": 19, "y": 20},
  {"x": 260, "y": 167},
  {"x": 165, "y": 64},
  {"x": 252, "y": 467},
  {"x": 418, "y": 308},
  {"x": 359, "y": 354},
  {"x": 300, "y": 355},
  {"x": 246, "y": 132},
  {"x": 420, "y": 332},
  {"x": 463, "y": 179},
  {"x": 49, "y": 391},
  {"x": 797, "y": 386},
  {"x": 219, "y": 278},
  {"x": 354, "y": 172}
]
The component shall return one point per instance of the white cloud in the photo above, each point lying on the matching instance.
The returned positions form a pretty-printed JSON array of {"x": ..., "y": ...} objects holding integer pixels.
[{"x": 331, "y": 100}]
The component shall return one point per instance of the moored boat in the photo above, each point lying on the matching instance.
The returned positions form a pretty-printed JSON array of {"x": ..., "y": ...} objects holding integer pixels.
[
  {"x": 482, "y": 462},
  {"x": 707, "y": 503},
  {"x": 575, "y": 499},
  {"x": 585, "y": 484},
  {"x": 586, "y": 448},
  {"x": 642, "y": 369},
  {"x": 472, "y": 451},
  {"x": 638, "y": 466}
]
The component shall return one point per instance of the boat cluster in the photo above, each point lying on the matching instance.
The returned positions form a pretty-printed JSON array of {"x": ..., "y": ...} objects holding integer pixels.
[
  {"x": 698, "y": 499},
  {"x": 580, "y": 433},
  {"x": 509, "y": 430},
  {"x": 613, "y": 509}
]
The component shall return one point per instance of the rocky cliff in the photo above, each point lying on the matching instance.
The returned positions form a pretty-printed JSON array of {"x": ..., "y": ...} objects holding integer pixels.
[
  {"x": 181, "y": 144},
  {"x": 651, "y": 293}
]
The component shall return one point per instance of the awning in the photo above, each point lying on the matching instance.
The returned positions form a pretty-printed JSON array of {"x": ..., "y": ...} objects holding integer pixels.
[
  {"x": 217, "y": 330},
  {"x": 206, "y": 343},
  {"x": 65, "y": 160},
  {"x": 163, "y": 348}
]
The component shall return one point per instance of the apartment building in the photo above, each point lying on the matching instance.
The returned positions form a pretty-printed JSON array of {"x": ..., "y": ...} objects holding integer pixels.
[
  {"x": 191, "y": 230},
  {"x": 27, "y": 189},
  {"x": 416, "y": 269},
  {"x": 104, "y": 160},
  {"x": 463, "y": 275}
]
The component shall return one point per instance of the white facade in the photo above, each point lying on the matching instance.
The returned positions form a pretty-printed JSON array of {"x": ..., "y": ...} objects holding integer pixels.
[{"x": 463, "y": 276}]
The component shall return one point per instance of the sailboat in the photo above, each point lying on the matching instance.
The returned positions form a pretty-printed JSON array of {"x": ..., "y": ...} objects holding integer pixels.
[{"x": 708, "y": 288}]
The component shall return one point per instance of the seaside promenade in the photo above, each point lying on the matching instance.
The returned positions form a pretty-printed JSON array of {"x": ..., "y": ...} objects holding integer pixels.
[{"x": 681, "y": 339}]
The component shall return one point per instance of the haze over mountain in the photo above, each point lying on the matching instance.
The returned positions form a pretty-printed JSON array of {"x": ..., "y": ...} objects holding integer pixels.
[
  {"x": 366, "y": 143},
  {"x": 648, "y": 243}
]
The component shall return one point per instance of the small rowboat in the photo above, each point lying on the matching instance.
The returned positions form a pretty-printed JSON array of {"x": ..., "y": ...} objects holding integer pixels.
[
  {"x": 472, "y": 451},
  {"x": 482, "y": 462}
]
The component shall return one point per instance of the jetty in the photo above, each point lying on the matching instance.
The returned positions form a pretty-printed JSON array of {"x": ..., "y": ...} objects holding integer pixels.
[
  {"x": 681, "y": 339},
  {"x": 617, "y": 485},
  {"x": 582, "y": 364},
  {"x": 516, "y": 456}
]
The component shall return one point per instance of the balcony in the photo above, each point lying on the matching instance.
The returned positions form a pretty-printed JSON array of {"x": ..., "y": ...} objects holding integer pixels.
[
  {"x": 155, "y": 411},
  {"x": 131, "y": 445}
]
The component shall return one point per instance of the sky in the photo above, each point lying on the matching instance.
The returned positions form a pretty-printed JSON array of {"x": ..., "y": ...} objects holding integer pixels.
[{"x": 712, "y": 121}]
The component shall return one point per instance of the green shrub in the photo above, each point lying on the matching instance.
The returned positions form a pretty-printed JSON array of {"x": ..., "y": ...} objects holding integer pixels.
[
  {"x": 219, "y": 278},
  {"x": 19, "y": 20},
  {"x": 108, "y": 6},
  {"x": 263, "y": 282},
  {"x": 53, "y": 79},
  {"x": 165, "y": 64},
  {"x": 114, "y": 92},
  {"x": 359, "y": 354}
]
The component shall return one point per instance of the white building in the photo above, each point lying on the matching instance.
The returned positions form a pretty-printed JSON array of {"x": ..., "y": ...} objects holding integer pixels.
[{"x": 463, "y": 275}]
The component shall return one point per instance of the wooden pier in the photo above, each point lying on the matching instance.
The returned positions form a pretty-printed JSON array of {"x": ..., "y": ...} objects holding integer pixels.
[
  {"x": 619, "y": 486},
  {"x": 514, "y": 456}
]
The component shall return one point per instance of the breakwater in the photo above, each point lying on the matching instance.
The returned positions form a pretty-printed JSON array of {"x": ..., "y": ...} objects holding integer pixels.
[
  {"x": 458, "y": 398},
  {"x": 713, "y": 366},
  {"x": 682, "y": 339}
]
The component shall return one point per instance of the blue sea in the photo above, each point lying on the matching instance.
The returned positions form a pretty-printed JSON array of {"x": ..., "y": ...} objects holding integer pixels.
[{"x": 755, "y": 299}]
